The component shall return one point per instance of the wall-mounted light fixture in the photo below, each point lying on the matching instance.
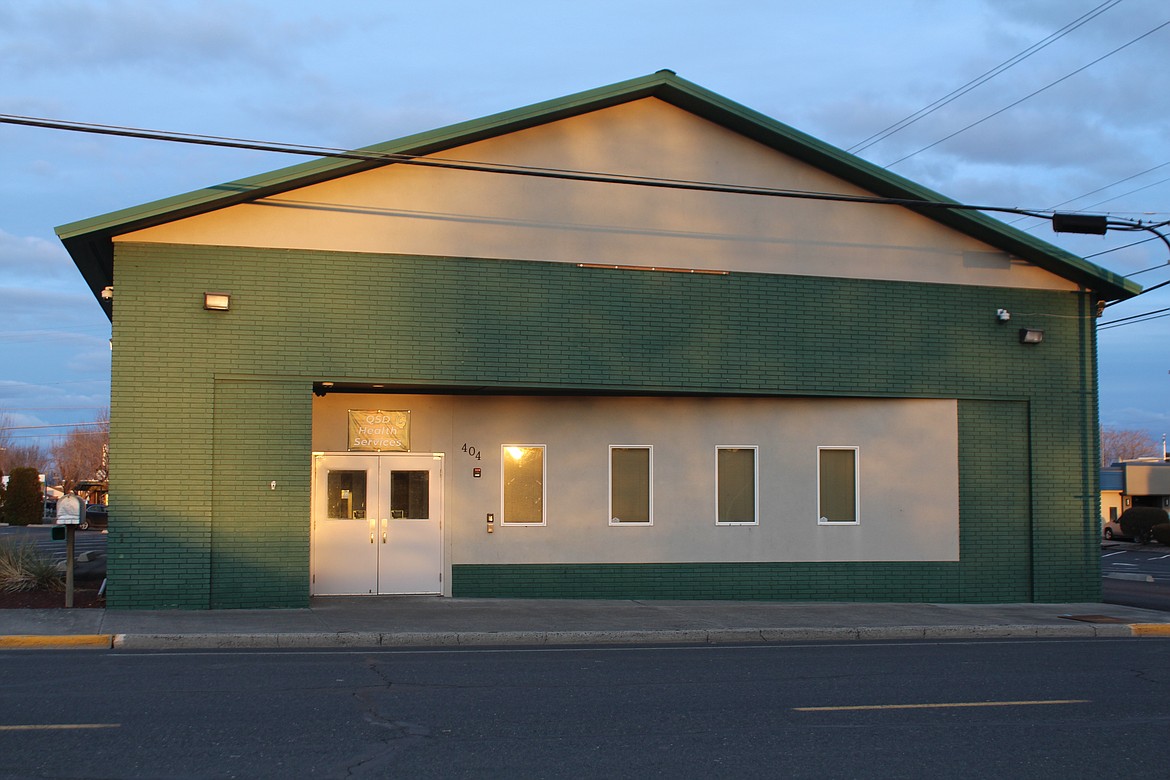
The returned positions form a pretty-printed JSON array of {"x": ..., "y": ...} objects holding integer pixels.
[
  {"x": 217, "y": 301},
  {"x": 1031, "y": 335}
]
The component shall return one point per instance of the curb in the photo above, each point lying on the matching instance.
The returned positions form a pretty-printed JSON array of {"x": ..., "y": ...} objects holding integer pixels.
[
  {"x": 678, "y": 636},
  {"x": 357, "y": 639},
  {"x": 62, "y": 642}
]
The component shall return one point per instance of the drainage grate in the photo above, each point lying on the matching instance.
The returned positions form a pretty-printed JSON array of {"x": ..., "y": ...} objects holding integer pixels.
[{"x": 1094, "y": 618}]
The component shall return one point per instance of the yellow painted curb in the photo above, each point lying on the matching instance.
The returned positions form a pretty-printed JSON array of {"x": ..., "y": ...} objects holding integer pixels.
[
  {"x": 1150, "y": 629},
  {"x": 45, "y": 641}
]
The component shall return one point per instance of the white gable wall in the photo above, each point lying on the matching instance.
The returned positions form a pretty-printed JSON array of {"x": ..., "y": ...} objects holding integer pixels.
[{"x": 435, "y": 212}]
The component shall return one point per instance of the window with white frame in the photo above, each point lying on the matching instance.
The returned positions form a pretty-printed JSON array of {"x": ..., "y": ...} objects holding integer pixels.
[
  {"x": 736, "y": 480},
  {"x": 522, "y": 475},
  {"x": 837, "y": 485},
  {"x": 631, "y": 485}
]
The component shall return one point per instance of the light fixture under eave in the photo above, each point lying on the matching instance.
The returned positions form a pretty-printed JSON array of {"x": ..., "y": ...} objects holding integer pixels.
[
  {"x": 217, "y": 301},
  {"x": 1031, "y": 335}
]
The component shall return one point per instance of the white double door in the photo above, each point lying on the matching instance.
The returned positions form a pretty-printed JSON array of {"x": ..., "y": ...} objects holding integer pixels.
[{"x": 377, "y": 524}]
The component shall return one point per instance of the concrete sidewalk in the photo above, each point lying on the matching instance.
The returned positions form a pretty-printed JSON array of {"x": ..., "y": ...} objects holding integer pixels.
[{"x": 431, "y": 621}]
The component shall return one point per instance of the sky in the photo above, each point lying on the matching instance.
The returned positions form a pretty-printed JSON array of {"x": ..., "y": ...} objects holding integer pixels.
[{"x": 1078, "y": 124}]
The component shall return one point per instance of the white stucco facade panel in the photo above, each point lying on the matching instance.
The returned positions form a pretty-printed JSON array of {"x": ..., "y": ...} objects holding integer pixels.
[
  {"x": 412, "y": 210},
  {"x": 908, "y": 466}
]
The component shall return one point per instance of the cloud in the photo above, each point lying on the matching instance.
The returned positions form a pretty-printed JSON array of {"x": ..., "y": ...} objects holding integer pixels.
[
  {"x": 169, "y": 35},
  {"x": 1092, "y": 127},
  {"x": 33, "y": 261},
  {"x": 55, "y": 336}
]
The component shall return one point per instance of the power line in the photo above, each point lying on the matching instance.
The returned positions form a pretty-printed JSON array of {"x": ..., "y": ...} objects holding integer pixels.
[
  {"x": 1035, "y": 48},
  {"x": 1100, "y": 224},
  {"x": 1107, "y": 186},
  {"x": 367, "y": 155},
  {"x": 1029, "y": 96},
  {"x": 1124, "y": 194},
  {"x": 1114, "y": 184},
  {"x": 1127, "y": 246},
  {"x": 1135, "y": 319},
  {"x": 59, "y": 425},
  {"x": 1144, "y": 270},
  {"x": 43, "y": 436},
  {"x": 5, "y": 409}
]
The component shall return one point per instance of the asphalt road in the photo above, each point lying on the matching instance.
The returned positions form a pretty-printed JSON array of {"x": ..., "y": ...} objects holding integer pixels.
[
  {"x": 1136, "y": 575},
  {"x": 1035, "y": 709}
]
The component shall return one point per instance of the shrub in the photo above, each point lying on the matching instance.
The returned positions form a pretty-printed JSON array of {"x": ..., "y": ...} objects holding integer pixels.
[
  {"x": 1161, "y": 533},
  {"x": 23, "y": 503},
  {"x": 1137, "y": 521},
  {"x": 22, "y": 567}
]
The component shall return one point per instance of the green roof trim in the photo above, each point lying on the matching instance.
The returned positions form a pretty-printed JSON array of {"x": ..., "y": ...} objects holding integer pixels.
[{"x": 90, "y": 243}]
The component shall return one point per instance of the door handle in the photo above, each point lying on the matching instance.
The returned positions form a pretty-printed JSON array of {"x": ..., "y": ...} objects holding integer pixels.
[{"x": 384, "y": 521}]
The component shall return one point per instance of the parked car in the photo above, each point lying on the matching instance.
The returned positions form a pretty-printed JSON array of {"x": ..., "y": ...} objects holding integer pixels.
[
  {"x": 96, "y": 516},
  {"x": 1135, "y": 523},
  {"x": 1113, "y": 530}
]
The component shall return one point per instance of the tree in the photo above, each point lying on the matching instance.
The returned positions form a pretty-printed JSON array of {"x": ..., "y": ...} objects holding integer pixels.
[
  {"x": 13, "y": 455},
  {"x": 23, "y": 502},
  {"x": 1122, "y": 444},
  {"x": 82, "y": 454}
]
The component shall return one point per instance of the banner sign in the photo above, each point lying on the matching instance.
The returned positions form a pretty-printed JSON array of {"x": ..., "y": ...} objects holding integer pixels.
[{"x": 375, "y": 430}]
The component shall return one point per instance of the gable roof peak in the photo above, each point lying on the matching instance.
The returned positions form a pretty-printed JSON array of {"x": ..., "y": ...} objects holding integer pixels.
[{"x": 90, "y": 242}]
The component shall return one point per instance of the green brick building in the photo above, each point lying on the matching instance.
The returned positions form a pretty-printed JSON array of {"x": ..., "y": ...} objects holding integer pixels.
[{"x": 550, "y": 353}]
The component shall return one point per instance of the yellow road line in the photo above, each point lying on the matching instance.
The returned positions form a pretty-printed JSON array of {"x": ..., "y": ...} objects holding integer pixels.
[
  {"x": 941, "y": 705},
  {"x": 33, "y": 642},
  {"x": 60, "y": 726},
  {"x": 1150, "y": 629}
]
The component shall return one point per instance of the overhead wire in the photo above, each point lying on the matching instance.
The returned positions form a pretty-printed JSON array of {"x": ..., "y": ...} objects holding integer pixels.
[
  {"x": 1136, "y": 319},
  {"x": 955, "y": 94},
  {"x": 1126, "y": 246},
  {"x": 1107, "y": 186},
  {"x": 1028, "y": 96},
  {"x": 371, "y": 155},
  {"x": 61, "y": 425}
]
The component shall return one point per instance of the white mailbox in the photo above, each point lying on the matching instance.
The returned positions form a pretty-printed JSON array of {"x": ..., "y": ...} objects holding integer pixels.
[{"x": 70, "y": 510}]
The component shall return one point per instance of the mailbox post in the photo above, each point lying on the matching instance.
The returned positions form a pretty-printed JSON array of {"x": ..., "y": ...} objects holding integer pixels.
[{"x": 70, "y": 509}]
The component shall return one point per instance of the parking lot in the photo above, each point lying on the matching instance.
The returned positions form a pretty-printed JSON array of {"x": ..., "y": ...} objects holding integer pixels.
[
  {"x": 1126, "y": 560},
  {"x": 89, "y": 547}
]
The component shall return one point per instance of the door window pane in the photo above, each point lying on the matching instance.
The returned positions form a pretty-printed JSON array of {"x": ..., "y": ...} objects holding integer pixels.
[
  {"x": 837, "y": 484},
  {"x": 410, "y": 495},
  {"x": 523, "y": 475},
  {"x": 630, "y": 485},
  {"x": 346, "y": 492},
  {"x": 735, "y": 481}
]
